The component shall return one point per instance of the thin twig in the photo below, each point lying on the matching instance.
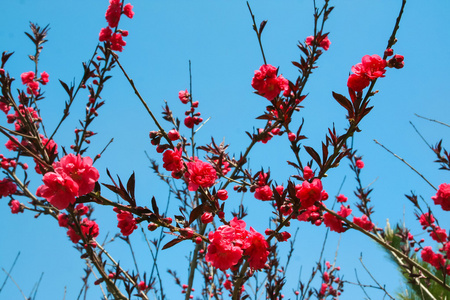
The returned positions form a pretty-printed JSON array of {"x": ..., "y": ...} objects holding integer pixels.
[
  {"x": 12, "y": 279},
  {"x": 436, "y": 121},
  {"x": 10, "y": 270},
  {"x": 404, "y": 161},
  {"x": 373, "y": 278},
  {"x": 417, "y": 131}
]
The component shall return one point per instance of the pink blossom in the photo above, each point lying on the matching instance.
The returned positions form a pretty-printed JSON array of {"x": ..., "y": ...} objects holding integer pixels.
[
  {"x": 81, "y": 171},
  {"x": 341, "y": 198},
  {"x": 230, "y": 242},
  {"x": 127, "y": 10},
  {"x": 33, "y": 88},
  {"x": 207, "y": 218},
  {"x": 15, "y": 207},
  {"x": 105, "y": 34},
  {"x": 263, "y": 193},
  {"x": 370, "y": 68},
  {"x": 173, "y": 135},
  {"x": 222, "y": 195},
  {"x": 435, "y": 259},
  {"x": 11, "y": 146},
  {"x": 44, "y": 78},
  {"x": 89, "y": 228},
  {"x": 27, "y": 77},
  {"x": 184, "y": 96},
  {"x": 310, "y": 193},
  {"x": 307, "y": 173},
  {"x": 324, "y": 43},
  {"x": 359, "y": 164},
  {"x": 126, "y": 222},
  {"x": 63, "y": 220},
  {"x": 363, "y": 222},
  {"x": 117, "y": 42},
  {"x": 267, "y": 83},
  {"x": 113, "y": 13},
  {"x": 173, "y": 162},
  {"x": 439, "y": 235},
  {"x": 7, "y": 187},
  {"x": 4, "y": 107},
  {"x": 142, "y": 286},
  {"x": 426, "y": 220},
  {"x": 357, "y": 83},
  {"x": 333, "y": 222},
  {"x": 222, "y": 252},
  {"x": 59, "y": 189},
  {"x": 442, "y": 196},
  {"x": 257, "y": 251},
  {"x": 200, "y": 174}
]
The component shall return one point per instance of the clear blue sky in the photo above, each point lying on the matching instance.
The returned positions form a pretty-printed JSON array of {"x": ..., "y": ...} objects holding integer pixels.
[{"x": 217, "y": 37}]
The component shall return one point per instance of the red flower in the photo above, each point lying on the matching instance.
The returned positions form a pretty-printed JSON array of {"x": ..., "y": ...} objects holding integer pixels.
[
  {"x": 442, "y": 197},
  {"x": 117, "y": 42},
  {"x": 207, "y": 218},
  {"x": 184, "y": 96},
  {"x": 113, "y": 13},
  {"x": 4, "y": 107},
  {"x": 127, "y": 223},
  {"x": 44, "y": 78},
  {"x": 370, "y": 68},
  {"x": 435, "y": 259},
  {"x": 222, "y": 195},
  {"x": 127, "y": 10},
  {"x": 173, "y": 135},
  {"x": 63, "y": 220},
  {"x": 89, "y": 228},
  {"x": 307, "y": 173},
  {"x": 363, "y": 222},
  {"x": 359, "y": 164},
  {"x": 81, "y": 171},
  {"x": 15, "y": 207},
  {"x": 173, "y": 161},
  {"x": 257, "y": 251},
  {"x": 27, "y": 77},
  {"x": 426, "y": 220},
  {"x": 324, "y": 43},
  {"x": 309, "y": 193},
  {"x": 439, "y": 235},
  {"x": 263, "y": 193},
  {"x": 230, "y": 242},
  {"x": 333, "y": 222},
  {"x": 357, "y": 83},
  {"x": 198, "y": 174},
  {"x": 341, "y": 198},
  {"x": 7, "y": 187},
  {"x": 105, "y": 34},
  {"x": 59, "y": 189},
  {"x": 267, "y": 83},
  {"x": 222, "y": 252},
  {"x": 142, "y": 286}
]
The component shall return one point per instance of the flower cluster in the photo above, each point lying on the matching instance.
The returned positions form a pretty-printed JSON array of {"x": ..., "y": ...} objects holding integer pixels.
[
  {"x": 267, "y": 83},
  {"x": 370, "y": 68},
  {"x": 113, "y": 14},
  {"x": 230, "y": 242},
  {"x": 74, "y": 176}
]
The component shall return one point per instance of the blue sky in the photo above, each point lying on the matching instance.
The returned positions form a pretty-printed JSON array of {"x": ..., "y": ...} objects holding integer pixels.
[{"x": 217, "y": 37}]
